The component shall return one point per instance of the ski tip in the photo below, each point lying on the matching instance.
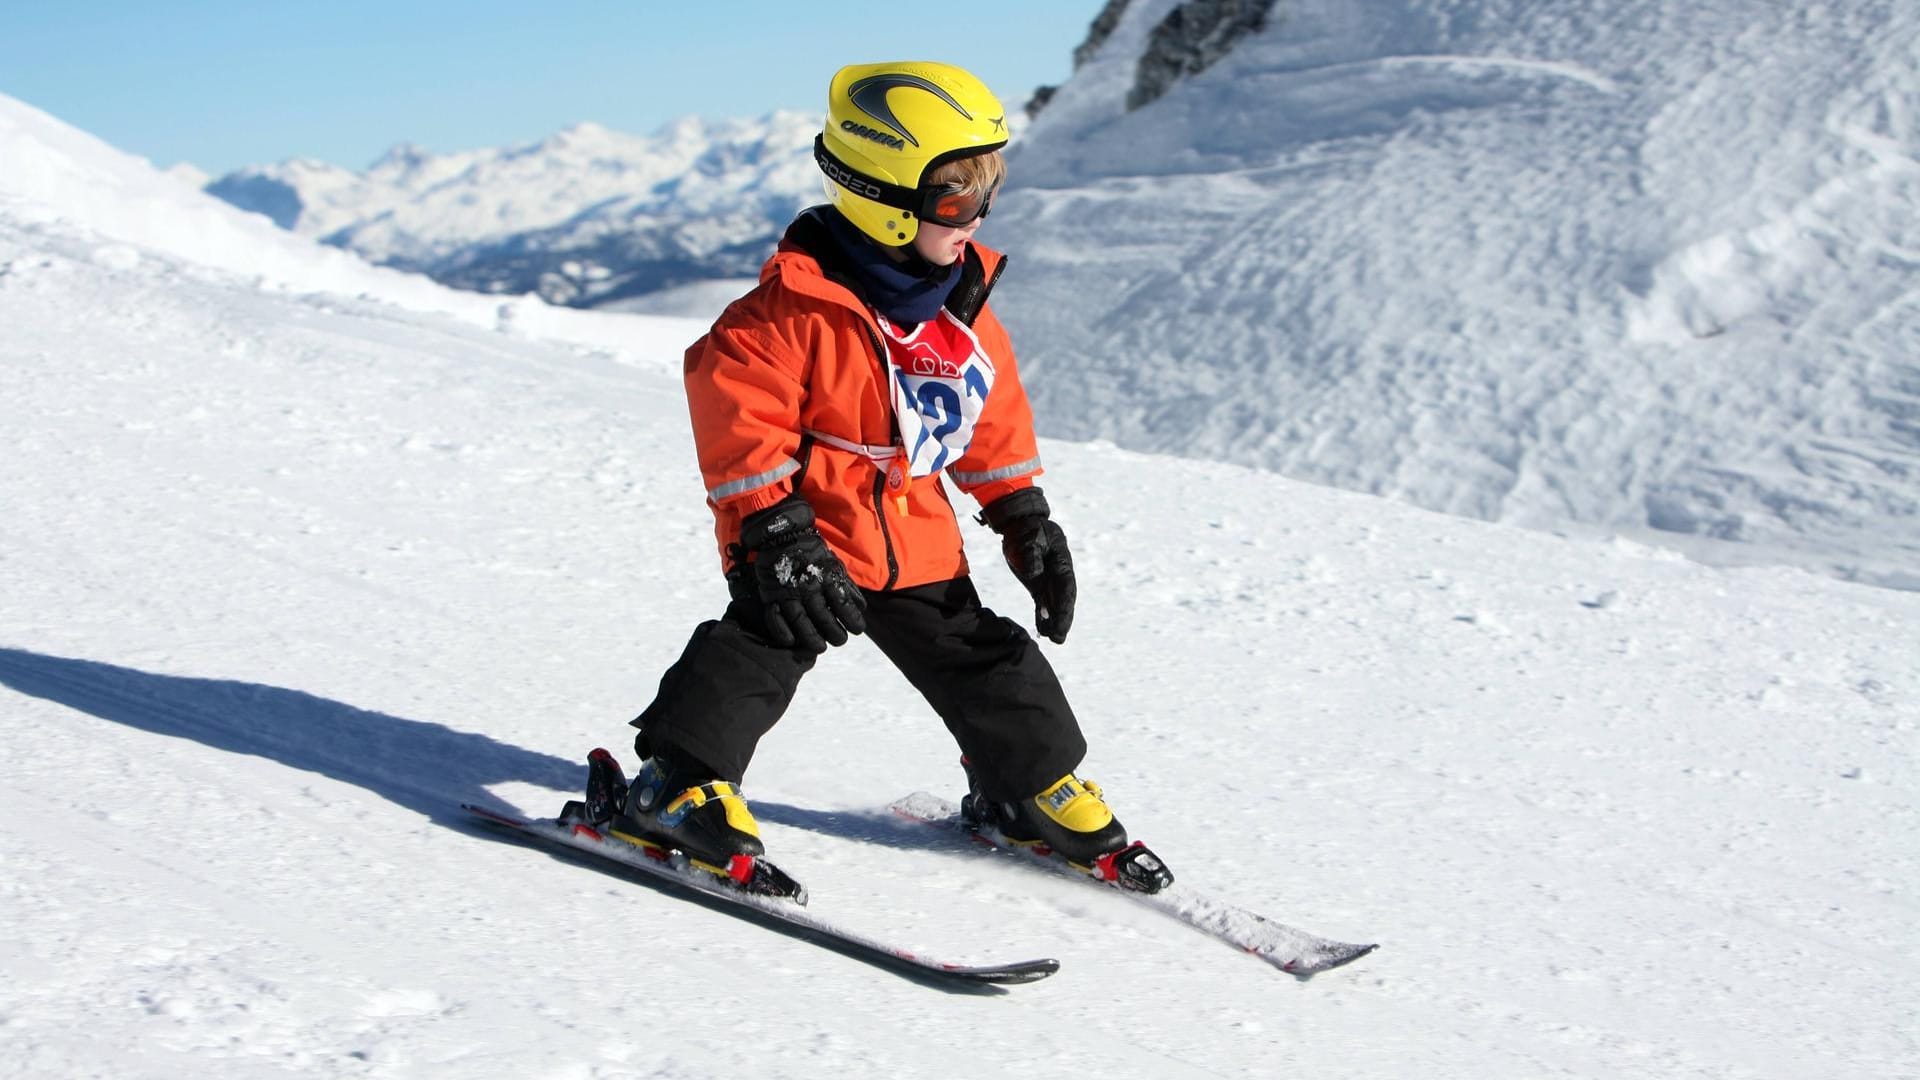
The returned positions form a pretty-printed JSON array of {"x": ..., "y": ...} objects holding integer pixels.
[
  {"x": 1326, "y": 960},
  {"x": 1357, "y": 952},
  {"x": 1005, "y": 975}
]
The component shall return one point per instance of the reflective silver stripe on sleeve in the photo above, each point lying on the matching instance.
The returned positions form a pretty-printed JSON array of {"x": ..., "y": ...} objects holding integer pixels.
[
  {"x": 1008, "y": 472},
  {"x": 736, "y": 487}
]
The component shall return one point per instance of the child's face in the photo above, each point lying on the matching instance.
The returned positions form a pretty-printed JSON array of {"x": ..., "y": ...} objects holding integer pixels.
[{"x": 942, "y": 244}]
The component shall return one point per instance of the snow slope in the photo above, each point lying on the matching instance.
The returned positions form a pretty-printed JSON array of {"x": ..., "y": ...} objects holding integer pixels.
[
  {"x": 59, "y": 177},
  {"x": 287, "y": 573},
  {"x": 1641, "y": 265}
]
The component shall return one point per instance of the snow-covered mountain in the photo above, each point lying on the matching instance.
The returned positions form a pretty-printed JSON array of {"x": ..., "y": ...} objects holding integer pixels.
[
  {"x": 585, "y": 218},
  {"x": 297, "y": 554},
  {"x": 1646, "y": 265}
]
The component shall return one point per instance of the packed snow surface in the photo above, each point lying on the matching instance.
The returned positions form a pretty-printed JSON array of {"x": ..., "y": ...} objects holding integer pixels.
[{"x": 297, "y": 556}]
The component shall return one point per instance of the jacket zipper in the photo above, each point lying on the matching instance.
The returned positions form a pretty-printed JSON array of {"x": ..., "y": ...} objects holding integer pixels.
[
  {"x": 880, "y": 509},
  {"x": 880, "y": 475},
  {"x": 967, "y": 308},
  {"x": 998, "y": 269}
]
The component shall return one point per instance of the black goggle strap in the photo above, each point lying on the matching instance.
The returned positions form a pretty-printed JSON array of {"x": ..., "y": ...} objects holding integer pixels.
[{"x": 900, "y": 198}]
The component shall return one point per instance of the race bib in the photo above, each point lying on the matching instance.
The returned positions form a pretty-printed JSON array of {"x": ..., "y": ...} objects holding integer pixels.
[{"x": 941, "y": 378}]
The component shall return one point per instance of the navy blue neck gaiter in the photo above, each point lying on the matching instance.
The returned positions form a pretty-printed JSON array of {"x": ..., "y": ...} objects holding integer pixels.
[{"x": 907, "y": 293}]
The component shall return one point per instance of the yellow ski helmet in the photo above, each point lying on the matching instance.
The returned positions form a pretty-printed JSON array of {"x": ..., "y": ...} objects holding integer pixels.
[{"x": 888, "y": 126}]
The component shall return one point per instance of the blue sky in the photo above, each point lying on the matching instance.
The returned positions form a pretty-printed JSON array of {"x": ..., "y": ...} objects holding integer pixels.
[{"x": 223, "y": 84}]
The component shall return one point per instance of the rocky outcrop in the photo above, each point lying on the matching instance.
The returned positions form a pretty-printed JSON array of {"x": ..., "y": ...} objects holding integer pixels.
[
  {"x": 1186, "y": 42},
  {"x": 1097, "y": 33},
  {"x": 1189, "y": 40}
]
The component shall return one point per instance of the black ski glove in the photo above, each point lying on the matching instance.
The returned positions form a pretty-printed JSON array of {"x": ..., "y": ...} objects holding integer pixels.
[
  {"x": 809, "y": 600},
  {"x": 1036, "y": 551}
]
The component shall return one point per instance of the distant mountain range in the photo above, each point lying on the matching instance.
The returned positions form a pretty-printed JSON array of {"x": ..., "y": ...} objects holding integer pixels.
[{"x": 585, "y": 218}]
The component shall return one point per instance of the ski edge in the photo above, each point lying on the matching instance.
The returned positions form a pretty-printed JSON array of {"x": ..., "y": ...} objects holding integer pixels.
[{"x": 557, "y": 834}]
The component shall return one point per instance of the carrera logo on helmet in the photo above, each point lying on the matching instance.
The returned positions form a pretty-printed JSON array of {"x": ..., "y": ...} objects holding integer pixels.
[
  {"x": 869, "y": 95},
  {"x": 865, "y": 132},
  {"x": 847, "y": 178}
]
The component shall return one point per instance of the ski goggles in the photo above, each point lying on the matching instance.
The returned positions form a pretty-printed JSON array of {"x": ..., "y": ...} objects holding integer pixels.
[
  {"x": 944, "y": 204},
  {"x": 953, "y": 206}
]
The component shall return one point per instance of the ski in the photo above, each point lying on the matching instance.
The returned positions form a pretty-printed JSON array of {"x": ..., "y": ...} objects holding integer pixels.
[
  {"x": 1293, "y": 951},
  {"x": 782, "y": 912}
]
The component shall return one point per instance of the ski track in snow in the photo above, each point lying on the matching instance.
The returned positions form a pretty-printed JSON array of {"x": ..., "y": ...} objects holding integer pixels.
[{"x": 1475, "y": 64}]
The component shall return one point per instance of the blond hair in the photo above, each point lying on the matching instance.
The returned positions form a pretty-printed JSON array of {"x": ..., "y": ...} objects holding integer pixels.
[{"x": 975, "y": 175}]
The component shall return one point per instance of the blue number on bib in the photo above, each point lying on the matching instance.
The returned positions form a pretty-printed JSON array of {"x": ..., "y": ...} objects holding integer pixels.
[
  {"x": 938, "y": 402},
  {"x": 941, "y": 380}
]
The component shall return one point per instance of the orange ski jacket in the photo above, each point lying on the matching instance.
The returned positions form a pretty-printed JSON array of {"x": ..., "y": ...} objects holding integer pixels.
[{"x": 790, "y": 391}]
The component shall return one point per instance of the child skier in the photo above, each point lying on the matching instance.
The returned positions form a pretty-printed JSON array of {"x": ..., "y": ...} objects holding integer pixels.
[{"x": 825, "y": 404}]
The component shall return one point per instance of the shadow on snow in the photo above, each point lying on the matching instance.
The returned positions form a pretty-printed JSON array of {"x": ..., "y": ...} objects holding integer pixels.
[{"x": 426, "y": 768}]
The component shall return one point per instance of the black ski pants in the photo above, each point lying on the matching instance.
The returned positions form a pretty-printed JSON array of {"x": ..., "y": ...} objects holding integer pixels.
[{"x": 982, "y": 673}]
